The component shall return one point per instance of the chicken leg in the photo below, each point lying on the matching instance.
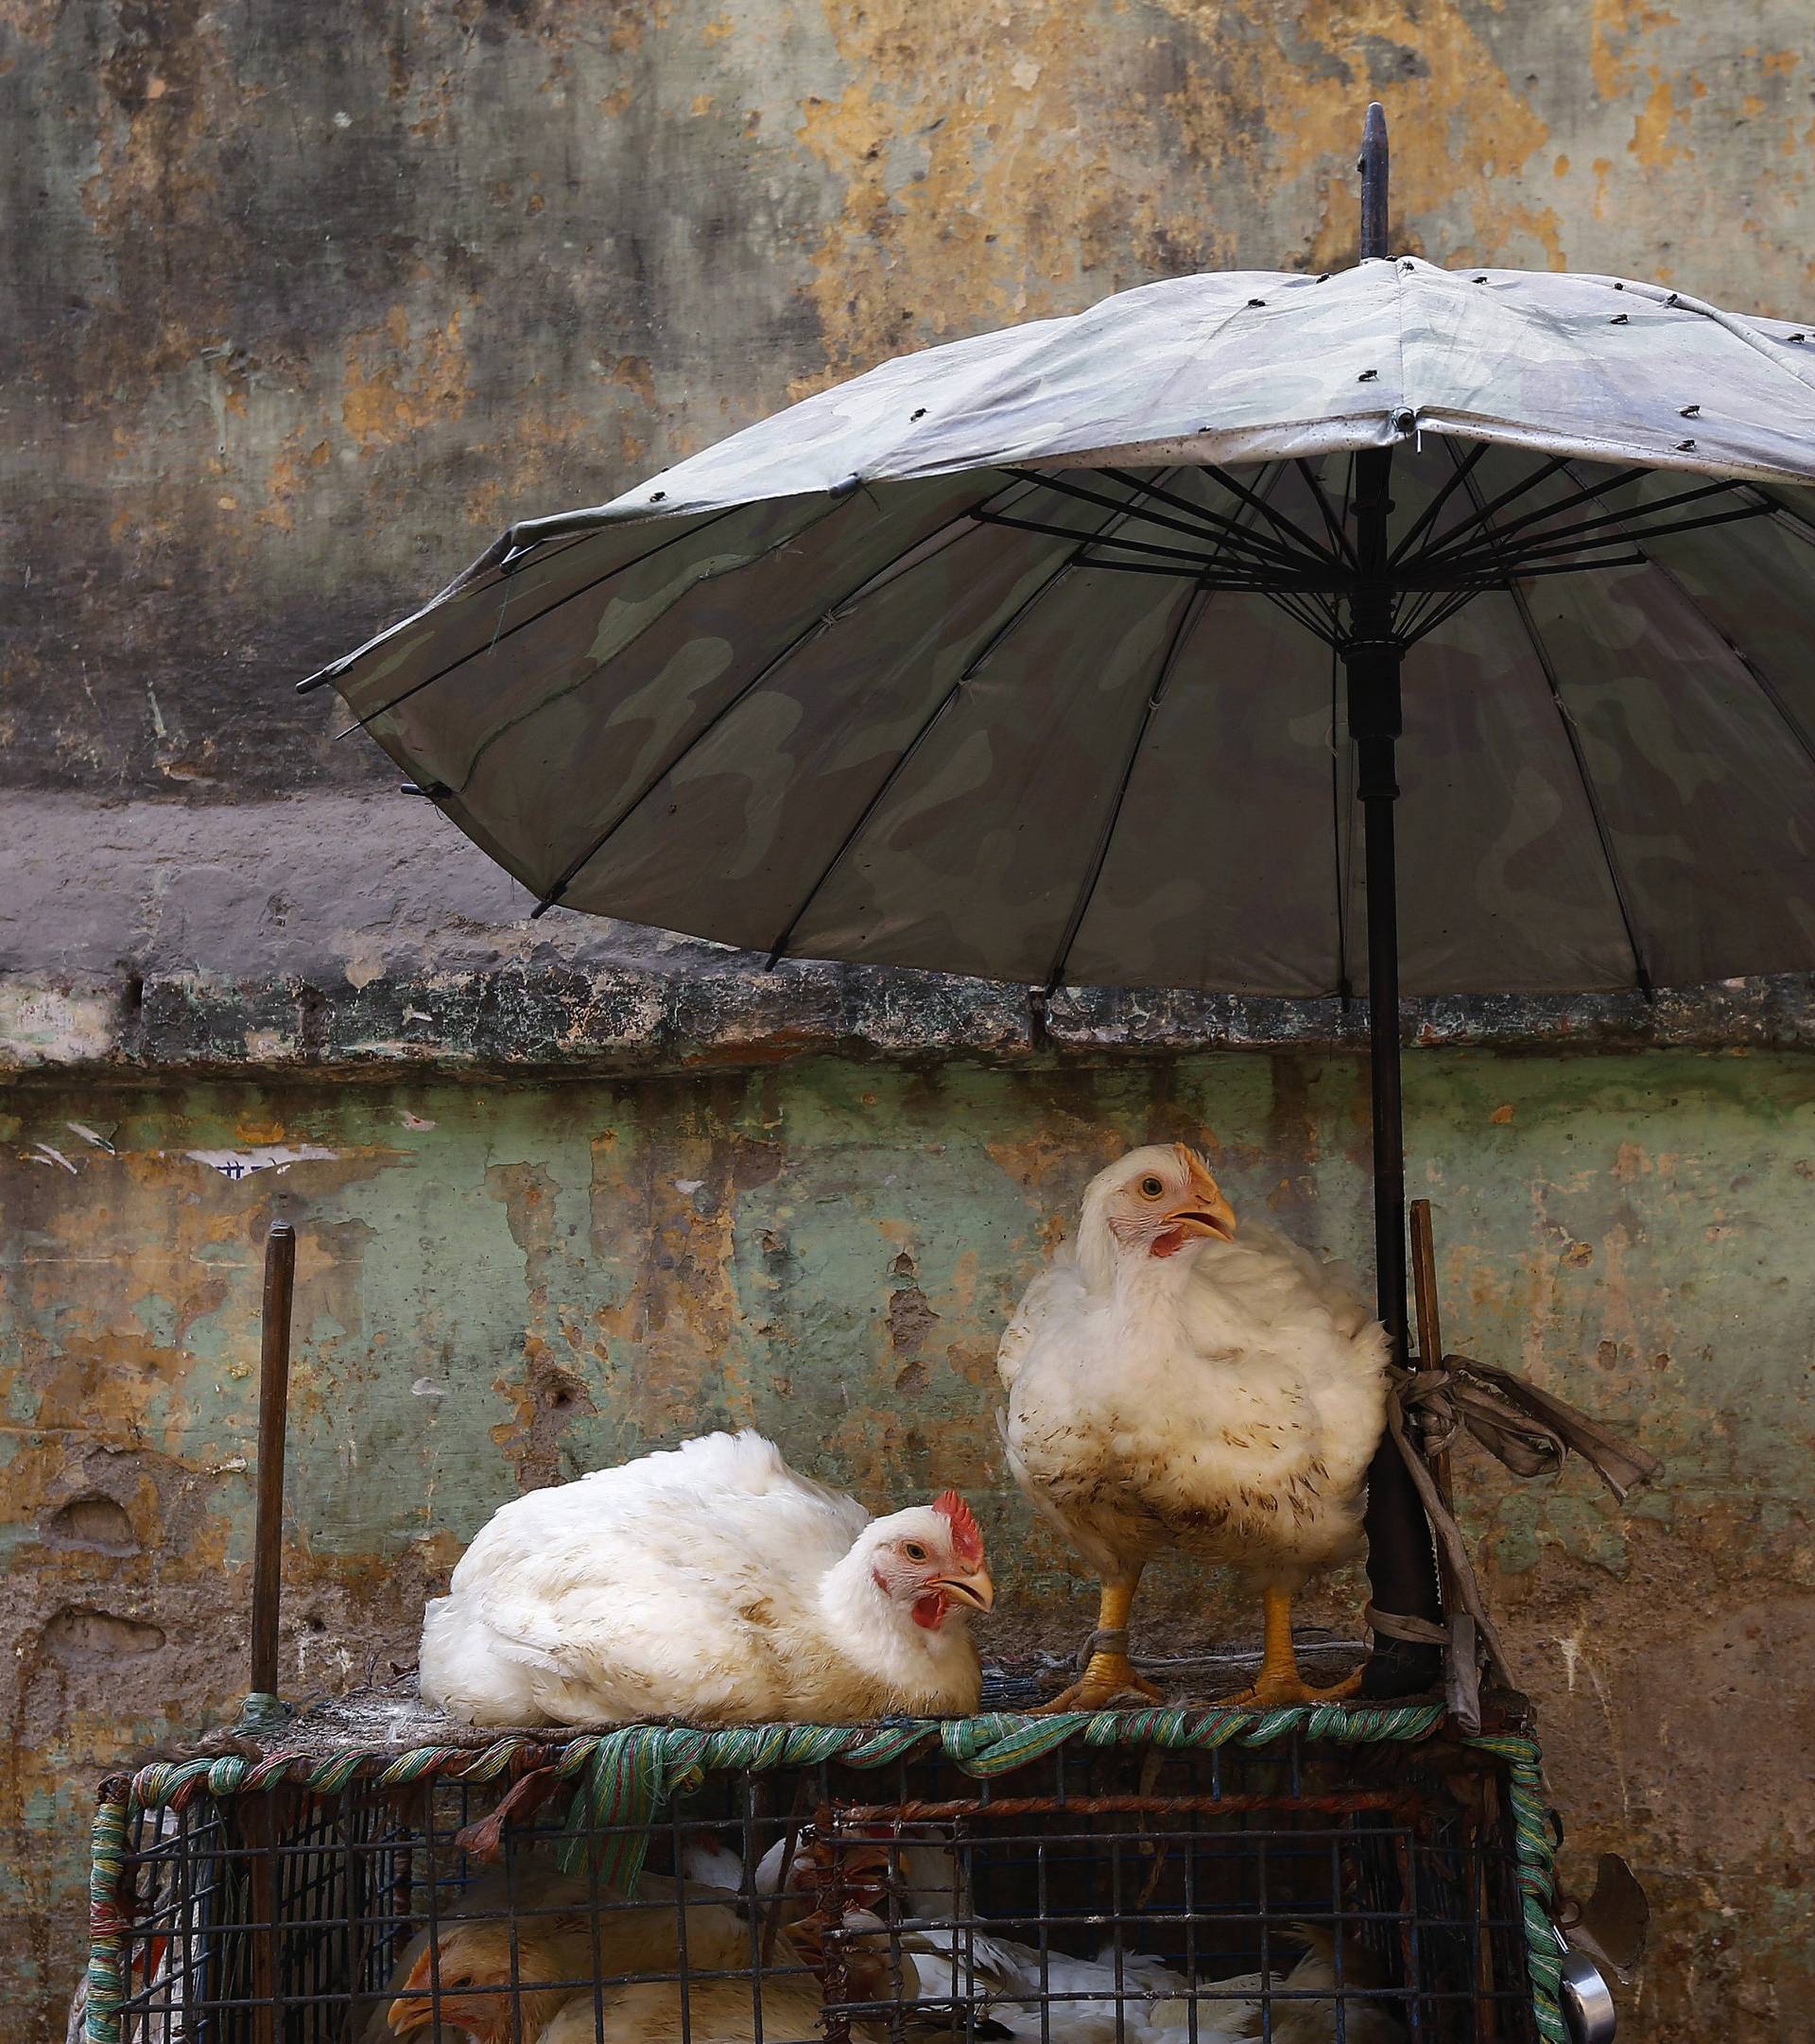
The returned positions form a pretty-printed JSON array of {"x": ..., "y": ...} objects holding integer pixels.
[
  {"x": 1109, "y": 1672},
  {"x": 1279, "y": 1682}
]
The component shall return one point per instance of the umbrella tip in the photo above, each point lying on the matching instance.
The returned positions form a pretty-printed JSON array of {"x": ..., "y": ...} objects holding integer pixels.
[{"x": 1371, "y": 164}]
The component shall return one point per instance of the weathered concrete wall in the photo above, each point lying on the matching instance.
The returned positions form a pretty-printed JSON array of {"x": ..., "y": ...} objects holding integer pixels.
[
  {"x": 299, "y": 306},
  {"x": 295, "y": 318},
  {"x": 500, "y": 1287}
]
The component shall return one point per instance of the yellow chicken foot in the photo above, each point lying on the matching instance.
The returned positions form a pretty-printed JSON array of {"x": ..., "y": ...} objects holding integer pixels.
[
  {"x": 1109, "y": 1672},
  {"x": 1279, "y": 1682}
]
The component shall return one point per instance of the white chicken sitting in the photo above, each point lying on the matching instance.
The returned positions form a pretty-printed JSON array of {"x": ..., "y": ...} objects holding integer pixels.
[
  {"x": 713, "y": 1583},
  {"x": 1175, "y": 1385}
]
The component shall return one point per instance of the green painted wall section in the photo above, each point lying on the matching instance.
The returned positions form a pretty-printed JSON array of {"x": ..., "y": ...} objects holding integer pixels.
[{"x": 499, "y": 1287}]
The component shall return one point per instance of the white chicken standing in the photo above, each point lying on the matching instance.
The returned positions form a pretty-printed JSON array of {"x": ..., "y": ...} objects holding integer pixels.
[
  {"x": 714, "y": 1583},
  {"x": 1175, "y": 1385}
]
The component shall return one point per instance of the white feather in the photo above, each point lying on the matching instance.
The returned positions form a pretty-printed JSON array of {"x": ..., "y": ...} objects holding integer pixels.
[
  {"x": 710, "y": 1581},
  {"x": 1224, "y": 1400}
]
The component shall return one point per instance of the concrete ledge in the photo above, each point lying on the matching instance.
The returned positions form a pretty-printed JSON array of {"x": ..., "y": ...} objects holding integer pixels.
[{"x": 349, "y": 934}]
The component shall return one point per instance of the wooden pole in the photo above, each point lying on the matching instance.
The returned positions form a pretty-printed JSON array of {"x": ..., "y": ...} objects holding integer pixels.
[
  {"x": 1430, "y": 1325},
  {"x": 273, "y": 1415}
]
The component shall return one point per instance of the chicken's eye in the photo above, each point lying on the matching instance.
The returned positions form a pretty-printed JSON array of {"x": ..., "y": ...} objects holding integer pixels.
[
  {"x": 1151, "y": 1188},
  {"x": 914, "y": 1551}
]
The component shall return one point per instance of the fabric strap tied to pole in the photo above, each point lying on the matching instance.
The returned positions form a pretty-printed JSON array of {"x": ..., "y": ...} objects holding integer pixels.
[{"x": 1532, "y": 1432}]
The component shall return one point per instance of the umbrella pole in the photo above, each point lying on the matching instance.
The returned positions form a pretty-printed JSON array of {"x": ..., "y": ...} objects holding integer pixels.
[{"x": 1402, "y": 1557}]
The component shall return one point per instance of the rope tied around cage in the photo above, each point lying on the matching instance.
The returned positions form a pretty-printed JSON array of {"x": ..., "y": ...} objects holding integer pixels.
[
  {"x": 1534, "y": 1845},
  {"x": 1530, "y": 1431},
  {"x": 634, "y": 1772},
  {"x": 107, "y": 1922}
]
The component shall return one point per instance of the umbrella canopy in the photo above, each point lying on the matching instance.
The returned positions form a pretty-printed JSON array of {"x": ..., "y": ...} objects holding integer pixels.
[{"x": 994, "y": 660}]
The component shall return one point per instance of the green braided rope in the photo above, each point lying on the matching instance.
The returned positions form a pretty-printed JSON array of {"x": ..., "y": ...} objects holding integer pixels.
[
  {"x": 626, "y": 1775},
  {"x": 1535, "y": 1846},
  {"x": 106, "y": 1871},
  {"x": 678, "y": 1755}
]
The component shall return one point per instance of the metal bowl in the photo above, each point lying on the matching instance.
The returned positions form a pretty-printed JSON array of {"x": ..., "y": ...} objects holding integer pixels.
[{"x": 1587, "y": 2000}]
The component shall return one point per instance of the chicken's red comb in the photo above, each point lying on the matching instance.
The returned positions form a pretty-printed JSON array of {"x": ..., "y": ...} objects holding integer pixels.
[{"x": 967, "y": 1536}]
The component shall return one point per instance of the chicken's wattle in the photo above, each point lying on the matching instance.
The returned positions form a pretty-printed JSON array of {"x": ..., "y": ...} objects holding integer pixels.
[{"x": 929, "y": 1608}]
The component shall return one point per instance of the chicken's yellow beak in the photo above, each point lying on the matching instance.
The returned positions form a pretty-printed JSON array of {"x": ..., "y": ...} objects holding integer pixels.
[
  {"x": 413, "y": 2006},
  {"x": 1204, "y": 1210},
  {"x": 974, "y": 1589}
]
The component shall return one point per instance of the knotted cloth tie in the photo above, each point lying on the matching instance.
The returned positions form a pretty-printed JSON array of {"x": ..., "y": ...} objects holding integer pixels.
[{"x": 1532, "y": 1432}]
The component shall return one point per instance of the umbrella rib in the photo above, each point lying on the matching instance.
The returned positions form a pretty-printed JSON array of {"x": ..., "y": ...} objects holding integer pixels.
[
  {"x": 1193, "y": 610},
  {"x": 1253, "y": 583},
  {"x": 523, "y": 623},
  {"x": 1485, "y": 568},
  {"x": 1303, "y": 547},
  {"x": 1275, "y": 518},
  {"x": 1190, "y": 618},
  {"x": 1226, "y": 525},
  {"x": 1786, "y": 514},
  {"x": 1567, "y": 538},
  {"x": 1428, "y": 615},
  {"x": 1491, "y": 578},
  {"x": 1464, "y": 542},
  {"x": 1305, "y": 608},
  {"x": 1207, "y": 524},
  {"x": 1767, "y": 688},
  {"x": 935, "y": 542},
  {"x": 503, "y": 555},
  {"x": 971, "y": 668},
  {"x": 1333, "y": 525},
  {"x": 1602, "y": 832},
  {"x": 822, "y": 622},
  {"x": 1428, "y": 516},
  {"x": 1071, "y": 532},
  {"x": 1478, "y": 519}
]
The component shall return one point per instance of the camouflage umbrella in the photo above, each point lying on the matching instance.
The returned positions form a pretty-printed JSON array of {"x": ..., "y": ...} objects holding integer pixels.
[{"x": 1073, "y": 652}]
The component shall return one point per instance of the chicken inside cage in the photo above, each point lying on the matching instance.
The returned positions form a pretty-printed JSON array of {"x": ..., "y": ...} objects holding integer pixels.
[{"x": 1113, "y": 1899}]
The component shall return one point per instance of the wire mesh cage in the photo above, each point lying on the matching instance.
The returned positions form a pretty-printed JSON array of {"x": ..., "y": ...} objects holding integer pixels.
[{"x": 1270, "y": 1884}]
